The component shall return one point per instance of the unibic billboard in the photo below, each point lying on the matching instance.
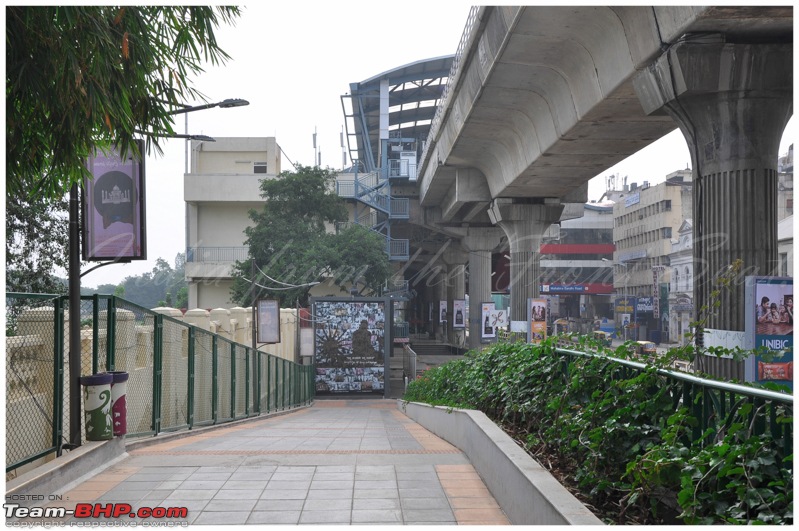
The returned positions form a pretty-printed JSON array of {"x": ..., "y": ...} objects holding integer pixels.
[{"x": 769, "y": 329}]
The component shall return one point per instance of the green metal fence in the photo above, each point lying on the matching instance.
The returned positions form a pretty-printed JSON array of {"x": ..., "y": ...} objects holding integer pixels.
[
  {"x": 715, "y": 404},
  {"x": 180, "y": 376}
]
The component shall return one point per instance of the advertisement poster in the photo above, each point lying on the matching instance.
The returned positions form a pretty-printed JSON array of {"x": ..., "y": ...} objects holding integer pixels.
[
  {"x": 113, "y": 208},
  {"x": 442, "y": 310},
  {"x": 350, "y": 345},
  {"x": 268, "y": 326},
  {"x": 459, "y": 309},
  {"x": 537, "y": 315},
  {"x": 487, "y": 330},
  {"x": 499, "y": 320},
  {"x": 769, "y": 326}
]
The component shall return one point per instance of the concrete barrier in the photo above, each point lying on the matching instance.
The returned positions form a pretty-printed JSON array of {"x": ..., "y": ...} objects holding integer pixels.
[{"x": 527, "y": 492}]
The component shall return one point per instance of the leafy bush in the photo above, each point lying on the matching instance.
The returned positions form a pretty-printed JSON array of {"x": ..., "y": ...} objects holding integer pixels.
[{"x": 621, "y": 438}]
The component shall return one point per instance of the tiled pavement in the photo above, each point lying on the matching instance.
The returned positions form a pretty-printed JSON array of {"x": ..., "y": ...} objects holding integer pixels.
[{"x": 338, "y": 462}]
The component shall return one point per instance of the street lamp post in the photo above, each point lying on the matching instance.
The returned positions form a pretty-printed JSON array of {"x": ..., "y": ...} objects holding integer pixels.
[
  {"x": 74, "y": 276},
  {"x": 626, "y": 291}
]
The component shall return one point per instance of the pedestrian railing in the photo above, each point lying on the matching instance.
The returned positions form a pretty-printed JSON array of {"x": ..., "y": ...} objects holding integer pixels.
[
  {"x": 715, "y": 404},
  {"x": 180, "y": 375}
]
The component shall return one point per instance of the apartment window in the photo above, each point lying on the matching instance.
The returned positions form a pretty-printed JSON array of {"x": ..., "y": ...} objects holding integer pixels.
[
  {"x": 259, "y": 167},
  {"x": 667, "y": 205},
  {"x": 666, "y": 232}
]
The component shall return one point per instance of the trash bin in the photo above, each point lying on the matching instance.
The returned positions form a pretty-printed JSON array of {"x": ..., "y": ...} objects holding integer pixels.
[
  {"x": 119, "y": 407},
  {"x": 97, "y": 406}
]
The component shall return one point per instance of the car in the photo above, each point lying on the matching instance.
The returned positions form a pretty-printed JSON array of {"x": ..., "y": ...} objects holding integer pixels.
[{"x": 603, "y": 337}]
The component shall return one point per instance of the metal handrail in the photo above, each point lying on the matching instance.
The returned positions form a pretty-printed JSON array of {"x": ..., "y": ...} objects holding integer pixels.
[
  {"x": 452, "y": 80},
  {"x": 217, "y": 254},
  {"x": 220, "y": 380}
]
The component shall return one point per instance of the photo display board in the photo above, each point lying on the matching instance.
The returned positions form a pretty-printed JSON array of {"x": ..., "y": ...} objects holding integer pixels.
[{"x": 351, "y": 349}]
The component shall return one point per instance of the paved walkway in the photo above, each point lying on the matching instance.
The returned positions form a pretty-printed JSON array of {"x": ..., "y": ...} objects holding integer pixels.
[{"x": 338, "y": 462}]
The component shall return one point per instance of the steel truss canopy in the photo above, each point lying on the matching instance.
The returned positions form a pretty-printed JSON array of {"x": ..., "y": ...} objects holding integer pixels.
[{"x": 414, "y": 92}]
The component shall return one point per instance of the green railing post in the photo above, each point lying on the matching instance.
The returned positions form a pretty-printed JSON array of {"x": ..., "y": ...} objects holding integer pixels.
[
  {"x": 158, "y": 352},
  {"x": 257, "y": 402},
  {"x": 111, "y": 335},
  {"x": 214, "y": 378},
  {"x": 190, "y": 386},
  {"x": 246, "y": 382},
  {"x": 268, "y": 382},
  {"x": 58, "y": 375},
  {"x": 233, "y": 381},
  {"x": 286, "y": 383},
  {"x": 95, "y": 333}
]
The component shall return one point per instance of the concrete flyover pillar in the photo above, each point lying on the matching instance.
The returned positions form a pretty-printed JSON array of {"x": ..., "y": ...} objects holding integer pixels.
[
  {"x": 525, "y": 225},
  {"x": 479, "y": 242},
  {"x": 439, "y": 285},
  {"x": 731, "y": 102},
  {"x": 456, "y": 260}
]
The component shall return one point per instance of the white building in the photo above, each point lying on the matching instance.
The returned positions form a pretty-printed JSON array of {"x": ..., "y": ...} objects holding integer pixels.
[
  {"x": 646, "y": 219},
  {"x": 785, "y": 247},
  {"x": 681, "y": 289},
  {"x": 222, "y": 186}
]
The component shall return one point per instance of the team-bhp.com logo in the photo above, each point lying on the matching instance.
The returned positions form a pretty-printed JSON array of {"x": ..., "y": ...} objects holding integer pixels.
[{"x": 148, "y": 516}]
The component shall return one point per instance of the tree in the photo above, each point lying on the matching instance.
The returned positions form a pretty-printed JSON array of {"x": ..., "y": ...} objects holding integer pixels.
[
  {"x": 86, "y": 77},
  {"x": 36, "y": 245},
  {"x": 290, "y": 245}
]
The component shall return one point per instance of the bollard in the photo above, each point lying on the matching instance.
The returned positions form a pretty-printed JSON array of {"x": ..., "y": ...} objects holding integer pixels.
[
  {"x": 97, "y": 406},
  {"x": 119, "y": 407}
]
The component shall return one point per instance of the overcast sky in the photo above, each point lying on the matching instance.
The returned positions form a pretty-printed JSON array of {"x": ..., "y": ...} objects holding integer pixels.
[{"x": 292, "y": 62}]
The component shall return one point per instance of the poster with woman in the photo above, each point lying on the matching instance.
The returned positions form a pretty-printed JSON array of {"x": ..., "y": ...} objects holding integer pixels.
[
  {"x": 537, "y": 311},
  {"x": 350, "y": 345},
  {"x": 769, "y": 329}
]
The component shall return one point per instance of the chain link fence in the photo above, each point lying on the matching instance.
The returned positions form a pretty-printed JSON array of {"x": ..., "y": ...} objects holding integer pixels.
[{"x": 180, "y": 375}]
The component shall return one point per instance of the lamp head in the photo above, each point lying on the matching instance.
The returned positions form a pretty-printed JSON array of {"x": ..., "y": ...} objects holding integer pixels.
[{"x": 233, "y": 102}]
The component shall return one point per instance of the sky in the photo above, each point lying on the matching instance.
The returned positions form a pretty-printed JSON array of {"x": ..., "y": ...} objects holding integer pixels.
[{"x": 293, "y": 61}]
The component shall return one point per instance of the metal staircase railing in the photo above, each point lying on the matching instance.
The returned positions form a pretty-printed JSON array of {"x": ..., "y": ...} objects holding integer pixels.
[
  {"x": 373, "y": 190},
  {"x": 397, "y": 249}
]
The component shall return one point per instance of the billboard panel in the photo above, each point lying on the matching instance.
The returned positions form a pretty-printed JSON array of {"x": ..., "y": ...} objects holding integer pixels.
[
  {"x": 487, "y": 331},
  {"x": 113, "y": 208},
  {"x": 769, "y": 326},
  {"x": 459, "y": 309},
  {"x": 351, "y": 345},
  {"x": 268, "y": 326},
  {"x": 537, "y": 316}
]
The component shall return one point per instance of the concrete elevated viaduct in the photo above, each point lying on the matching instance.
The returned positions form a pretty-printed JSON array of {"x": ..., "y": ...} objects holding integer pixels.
[{"x": 541, "y": 99}]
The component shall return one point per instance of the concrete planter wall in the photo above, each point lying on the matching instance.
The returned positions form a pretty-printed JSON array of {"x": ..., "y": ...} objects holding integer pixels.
[{"x": 526, "y": 491}]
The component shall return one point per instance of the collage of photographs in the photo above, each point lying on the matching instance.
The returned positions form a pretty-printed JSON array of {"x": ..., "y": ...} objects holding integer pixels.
[{"x": 349, "y": 346}]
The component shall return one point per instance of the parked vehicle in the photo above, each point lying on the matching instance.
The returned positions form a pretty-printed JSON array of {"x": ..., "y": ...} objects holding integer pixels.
[
  {"x": 603, "y": 337},
  {"x": 645, "y": 349}
]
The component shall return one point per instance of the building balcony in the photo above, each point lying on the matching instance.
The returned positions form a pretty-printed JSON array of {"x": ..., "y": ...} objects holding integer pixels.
[
  {"x": 222, "y": 187},
  {"x": 213, "y": 262}
]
